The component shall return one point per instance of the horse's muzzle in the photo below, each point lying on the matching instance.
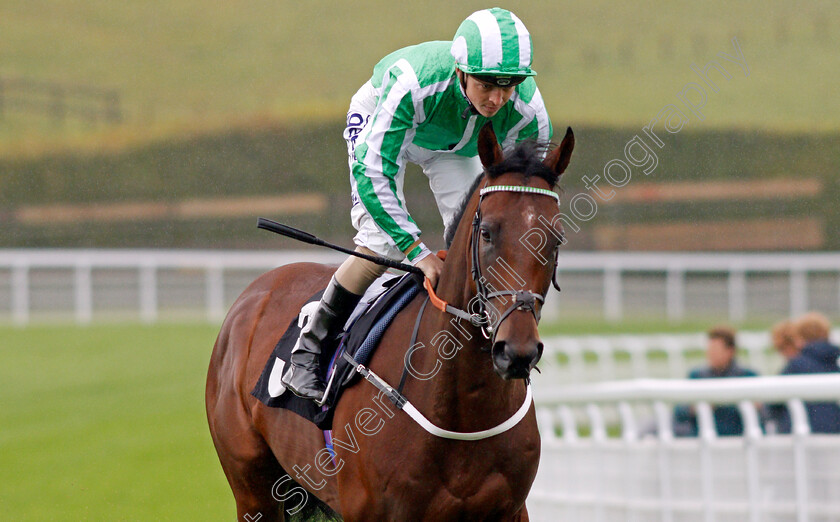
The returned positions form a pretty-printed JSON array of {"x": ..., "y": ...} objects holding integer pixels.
[{"x": 516, "y": 362}]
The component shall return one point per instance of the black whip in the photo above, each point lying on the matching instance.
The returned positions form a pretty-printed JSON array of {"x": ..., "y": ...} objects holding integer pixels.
[{"x": 300, "y": 235}]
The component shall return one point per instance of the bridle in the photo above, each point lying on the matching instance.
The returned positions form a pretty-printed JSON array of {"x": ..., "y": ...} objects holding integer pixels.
[{"x": 522, "y": 299}]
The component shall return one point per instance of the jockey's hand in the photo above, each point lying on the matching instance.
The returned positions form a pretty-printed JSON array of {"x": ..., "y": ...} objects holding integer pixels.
[{"x": 431, "y": 267}]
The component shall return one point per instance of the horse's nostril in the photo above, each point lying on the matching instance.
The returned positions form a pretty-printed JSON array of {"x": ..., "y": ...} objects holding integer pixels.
[{"x": 499, "y": 352}]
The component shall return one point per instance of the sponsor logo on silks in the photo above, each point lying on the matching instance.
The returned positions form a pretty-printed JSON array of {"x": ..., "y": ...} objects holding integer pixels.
[
  {"x": 355, "y": 120},
  {"x": 355, "y": 123},
  {"x": 503, "y": 81}
]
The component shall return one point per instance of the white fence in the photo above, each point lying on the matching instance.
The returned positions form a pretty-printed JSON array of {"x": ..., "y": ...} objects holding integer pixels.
[
  {"x": 141, "y": 284},
  {"x": 617, "y": 469},
  {"x": 151, "y": 285},
  {"x": 681, "y": 285},
  {"x": 593, "y": 358}
]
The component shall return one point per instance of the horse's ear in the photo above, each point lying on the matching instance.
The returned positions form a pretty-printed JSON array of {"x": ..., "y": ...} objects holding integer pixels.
[
  {"x": 489, "y": 149},
  {"x": 559, "y": 158}
]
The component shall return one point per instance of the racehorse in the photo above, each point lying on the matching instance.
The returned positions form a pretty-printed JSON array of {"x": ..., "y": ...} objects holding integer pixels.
[{"x": 467, "y": 373}]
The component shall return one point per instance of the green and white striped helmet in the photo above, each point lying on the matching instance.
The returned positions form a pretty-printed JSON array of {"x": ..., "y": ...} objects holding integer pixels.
[{"x": 493, "y": 42}]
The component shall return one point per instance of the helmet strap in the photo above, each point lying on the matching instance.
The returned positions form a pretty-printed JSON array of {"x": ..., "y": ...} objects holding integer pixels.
[{"x": 470, "y": 107}]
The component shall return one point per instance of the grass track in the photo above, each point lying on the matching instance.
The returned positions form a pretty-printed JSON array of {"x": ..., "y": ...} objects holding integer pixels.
[
  {"x": 107, "y": 423},
  {"x": 588, "y": 326}
]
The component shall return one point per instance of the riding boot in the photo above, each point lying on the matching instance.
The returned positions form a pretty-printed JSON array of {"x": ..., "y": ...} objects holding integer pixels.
[{"x": 326, "y": 322}]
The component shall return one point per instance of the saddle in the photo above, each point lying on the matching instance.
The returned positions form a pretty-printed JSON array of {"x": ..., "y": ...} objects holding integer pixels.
[{"x": 363, "y": 332}]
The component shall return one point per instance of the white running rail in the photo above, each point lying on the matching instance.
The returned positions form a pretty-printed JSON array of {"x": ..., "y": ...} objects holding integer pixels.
[
  {"x": 609, "y": 454},
  {"x": 87, "y": 284},
  {"x": 592, "y": 358}
]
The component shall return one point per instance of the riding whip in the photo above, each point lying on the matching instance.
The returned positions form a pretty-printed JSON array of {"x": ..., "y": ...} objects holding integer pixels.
[{"x": 300, "y": 235}]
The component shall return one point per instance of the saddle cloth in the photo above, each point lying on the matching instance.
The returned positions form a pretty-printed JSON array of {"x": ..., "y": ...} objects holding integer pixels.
[{"x": 366, "y": 326}]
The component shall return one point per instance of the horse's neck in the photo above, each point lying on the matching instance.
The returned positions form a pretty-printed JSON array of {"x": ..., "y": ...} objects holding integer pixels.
[{"x": 465, "y": 382}]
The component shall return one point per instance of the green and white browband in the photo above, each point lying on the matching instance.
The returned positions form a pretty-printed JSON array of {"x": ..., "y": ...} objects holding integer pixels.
[{"x": 520, "y": 188}]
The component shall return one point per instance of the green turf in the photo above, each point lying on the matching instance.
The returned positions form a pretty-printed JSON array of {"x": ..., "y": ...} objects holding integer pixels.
[
  {"x": 588, "y": 325},
  {"x": 187, "y": 62},
  {"x": 107, "y": 423}
]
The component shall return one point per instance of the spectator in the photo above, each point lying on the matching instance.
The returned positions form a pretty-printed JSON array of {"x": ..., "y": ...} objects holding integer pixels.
[
  {"x": 720, "y": 356},
  {"x": 813, "y": 353},
  {"x": 783, "y": 335}
]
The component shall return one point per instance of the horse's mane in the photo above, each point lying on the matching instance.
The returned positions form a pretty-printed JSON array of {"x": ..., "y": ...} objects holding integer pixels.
[{"x": 525, "y": 158}]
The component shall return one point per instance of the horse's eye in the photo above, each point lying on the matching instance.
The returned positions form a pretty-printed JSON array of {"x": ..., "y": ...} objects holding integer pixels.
[{"x": 485, "y": 235}]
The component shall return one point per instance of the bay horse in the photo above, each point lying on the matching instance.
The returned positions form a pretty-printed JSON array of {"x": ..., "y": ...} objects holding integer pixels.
[{"x": 464, "y": 376}]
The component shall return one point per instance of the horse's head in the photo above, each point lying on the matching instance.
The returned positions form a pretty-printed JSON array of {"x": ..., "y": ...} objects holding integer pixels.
[{"x": 511, "y": 277}]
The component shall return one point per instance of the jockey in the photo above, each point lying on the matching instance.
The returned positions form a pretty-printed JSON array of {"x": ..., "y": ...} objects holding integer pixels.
[{"x": 424, "y": 104}]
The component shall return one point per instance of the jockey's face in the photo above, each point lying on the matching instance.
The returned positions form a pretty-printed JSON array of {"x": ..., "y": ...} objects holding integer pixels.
[
  {"x": 718, "y": 354},
  {"x": 486, "y": 97}
]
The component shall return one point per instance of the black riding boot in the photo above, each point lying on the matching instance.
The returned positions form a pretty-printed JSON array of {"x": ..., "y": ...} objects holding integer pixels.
[{"x": 336, "y": 305}]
